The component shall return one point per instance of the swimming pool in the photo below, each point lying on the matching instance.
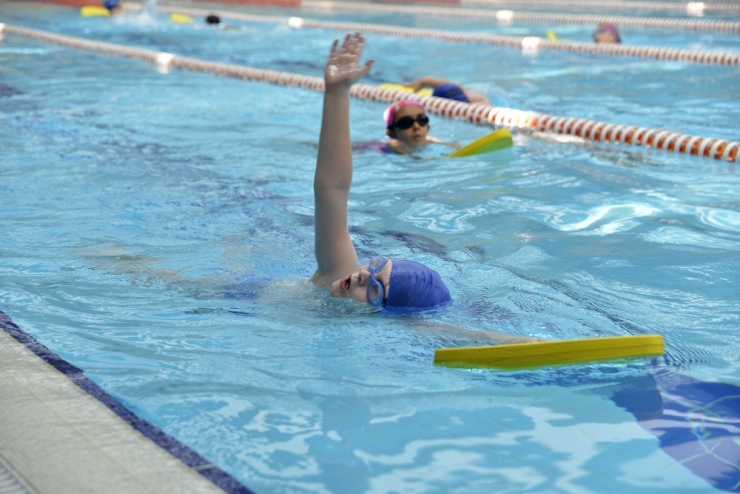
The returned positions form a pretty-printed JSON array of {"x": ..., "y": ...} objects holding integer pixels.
[{"x": 160, "y": 235}]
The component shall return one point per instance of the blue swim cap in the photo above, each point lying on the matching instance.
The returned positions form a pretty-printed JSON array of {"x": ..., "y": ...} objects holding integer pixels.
[
  {"x": 450, "y": 91},
  {"x": 110, "y": 4},
  {"x": 414, "y": 287}
]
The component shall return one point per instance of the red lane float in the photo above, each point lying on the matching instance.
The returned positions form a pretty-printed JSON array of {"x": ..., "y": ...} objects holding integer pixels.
[
  {"x": 509, "y": 16},
  {"x": 691, "y": 8},
  {"x": 664, "y": 140},
  {"x": 528, "y": 44}
]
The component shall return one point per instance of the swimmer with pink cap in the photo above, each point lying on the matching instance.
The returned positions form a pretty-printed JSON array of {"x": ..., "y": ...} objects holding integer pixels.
[
  {"x": 606, "y": 33},
  {"x": 407, "y": 125}
]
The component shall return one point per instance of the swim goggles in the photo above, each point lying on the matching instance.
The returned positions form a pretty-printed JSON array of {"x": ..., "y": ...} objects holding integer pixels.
[
  {"x": 407, "y": 122},
  {"x": 375, "y": 289}
]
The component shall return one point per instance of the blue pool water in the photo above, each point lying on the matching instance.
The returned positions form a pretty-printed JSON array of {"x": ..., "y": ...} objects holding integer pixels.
[{"x": 159, "y": 235}]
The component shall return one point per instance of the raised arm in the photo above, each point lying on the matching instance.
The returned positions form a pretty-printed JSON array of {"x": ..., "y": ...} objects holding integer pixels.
[{"x": 335, "y": 254}]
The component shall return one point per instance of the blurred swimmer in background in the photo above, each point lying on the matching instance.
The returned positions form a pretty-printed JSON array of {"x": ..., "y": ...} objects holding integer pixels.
[
  {"x": 606, "y": 33},
  {"x": 442, "y": 88}
]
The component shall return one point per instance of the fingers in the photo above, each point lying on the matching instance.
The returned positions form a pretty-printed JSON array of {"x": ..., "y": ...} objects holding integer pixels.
[
  {"x": 358, "y": 44},
  {"x": 344, "y": 59},
  {"x": 368, "y": 65},
  {"x": 353, "y": 44},
  {"x": 333, "y": 52},
  {"x": 347, "y": 42}
]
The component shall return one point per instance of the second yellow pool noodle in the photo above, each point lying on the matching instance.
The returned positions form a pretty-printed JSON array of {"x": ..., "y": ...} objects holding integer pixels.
[
  {"x": 94, "y": 11},
  {"x": 181, "y": 18},
  {"x": 408, "y": 89},
  {"x": 495, "y": 141}
]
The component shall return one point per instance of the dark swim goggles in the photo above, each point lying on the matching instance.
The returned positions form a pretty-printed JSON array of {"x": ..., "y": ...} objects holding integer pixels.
[
  {"x": 375, "y": 289},
  {"x": 407, "y": 122}
]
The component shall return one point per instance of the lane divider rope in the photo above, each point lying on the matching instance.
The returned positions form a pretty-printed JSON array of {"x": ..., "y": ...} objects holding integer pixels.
[
  {"x": 509, "y": 16},
  {"x": 529, "y": 44},
  {"x": 691, "y": 8},
  {"x": 696, "y": 9},
  {"x": 596, "y": 131}
]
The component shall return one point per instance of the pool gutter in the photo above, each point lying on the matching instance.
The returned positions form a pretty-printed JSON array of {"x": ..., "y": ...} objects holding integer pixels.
[{"x": 58, "y": 437}]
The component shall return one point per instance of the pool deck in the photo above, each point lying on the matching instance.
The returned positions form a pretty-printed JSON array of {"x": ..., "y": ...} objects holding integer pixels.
[{"x": 40, "y": 406}]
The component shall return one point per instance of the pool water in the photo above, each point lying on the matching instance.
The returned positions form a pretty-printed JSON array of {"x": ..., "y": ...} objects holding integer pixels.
[{"x": 159, "y": 236}]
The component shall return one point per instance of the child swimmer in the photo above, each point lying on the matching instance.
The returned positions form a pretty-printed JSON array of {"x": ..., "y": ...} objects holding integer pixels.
[
  {"x": 392, "y": 285},
  {"x": 407, "y": 125}
]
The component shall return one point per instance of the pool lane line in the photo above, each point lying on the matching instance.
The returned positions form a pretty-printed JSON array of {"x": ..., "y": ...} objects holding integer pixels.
[
  {"x": 179, "y": 450},
  {"x": 506, "y": 17},
  {"x": 588, "y": 130},
  {"x": 691, "y": 8},
  {"x": 528, "y": 44},
  {"x": 510, "y": 16}
]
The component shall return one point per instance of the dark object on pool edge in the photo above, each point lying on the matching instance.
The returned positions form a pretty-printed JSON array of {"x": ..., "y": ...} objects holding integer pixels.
[{"x": 213, "y": 19}]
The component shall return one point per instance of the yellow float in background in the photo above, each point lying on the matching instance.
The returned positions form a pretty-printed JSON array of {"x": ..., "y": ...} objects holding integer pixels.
[
  {"x": 495, "y": 141},
  {"x": 543, "y": 353},
  {"x": 408, "y": 89},
  {"x": 181, "y": 18},
  {"x": 552, "y": 36},
  {"x": 94, "y": 11}
]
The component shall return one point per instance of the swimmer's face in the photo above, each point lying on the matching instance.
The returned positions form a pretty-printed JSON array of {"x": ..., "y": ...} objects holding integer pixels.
[
  {"x": 354, "y": 286},
  {"x": 414, "y": 136}
]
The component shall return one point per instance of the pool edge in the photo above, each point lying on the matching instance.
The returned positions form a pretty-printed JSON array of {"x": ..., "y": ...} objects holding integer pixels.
[{"x": 47, "y": 400}]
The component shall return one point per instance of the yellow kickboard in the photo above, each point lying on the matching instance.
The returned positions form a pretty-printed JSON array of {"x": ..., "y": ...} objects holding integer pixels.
[
  {"x": 408, "y": 89},
  {"x": 94, "y": 11},
  {"x": 541, "y": 353},
  {"x": 181, "y": 18},
  {"x": 495, "y": 141}
]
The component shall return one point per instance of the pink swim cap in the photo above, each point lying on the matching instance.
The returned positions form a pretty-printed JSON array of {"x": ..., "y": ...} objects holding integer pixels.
[
  {"x": 389, "y": 115},
  {"x": 605, "y": 27}
]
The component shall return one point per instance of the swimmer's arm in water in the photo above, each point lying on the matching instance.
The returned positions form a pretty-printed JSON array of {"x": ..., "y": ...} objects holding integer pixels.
[
  {"x": 434, "y": 140},
  {"x": 399, "y": 147},
  {"x": 335, "y": 254},
  {"x": 428, "y": 81},
  {"x": 485, "y": 337},
  {"x": 433, "y": 82}
]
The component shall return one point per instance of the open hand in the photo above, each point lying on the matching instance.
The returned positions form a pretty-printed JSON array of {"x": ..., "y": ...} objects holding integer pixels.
[{"x": 342, "y": 67}]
